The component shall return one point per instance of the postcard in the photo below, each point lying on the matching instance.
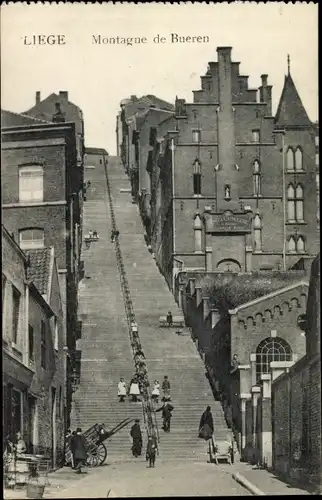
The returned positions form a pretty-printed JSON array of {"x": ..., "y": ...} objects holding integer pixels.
[{"x": 160, "y": 249}]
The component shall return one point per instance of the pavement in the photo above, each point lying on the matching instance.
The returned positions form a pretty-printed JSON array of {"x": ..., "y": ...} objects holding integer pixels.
[{"x": 169, "y": 478}]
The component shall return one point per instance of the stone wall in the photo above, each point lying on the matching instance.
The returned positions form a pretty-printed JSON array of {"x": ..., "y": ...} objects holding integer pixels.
[{"x": 296, "y": 437}]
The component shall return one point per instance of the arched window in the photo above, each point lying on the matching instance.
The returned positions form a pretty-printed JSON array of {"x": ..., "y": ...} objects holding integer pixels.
[
  {"x": 290, "y": 159},
  {"x": 299, "y": 204},
  {"x": 197, "y": 226},
  {"x": 228, "y": 265},
  {"x": 291, "y": 203},
  {"x": 271, "y": 349},
  {"x": 256, "y": 179},
  {"x": 31, "y": 238},
  {"x": 31, "y": 183},
  {"x": 291, "y": 245},
  {"x": 298, "y": 159},
  {"x": 257, "y": 224},
  {"x": 300, "y": 244},
  {"x": 197, "y": 177}
]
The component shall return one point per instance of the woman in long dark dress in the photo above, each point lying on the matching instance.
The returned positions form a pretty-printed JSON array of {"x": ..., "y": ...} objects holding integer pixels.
[{"x": 206, "y": 426}]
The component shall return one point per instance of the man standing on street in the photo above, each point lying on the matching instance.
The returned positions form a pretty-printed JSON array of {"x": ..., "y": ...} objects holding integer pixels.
[
  {"x": 78, "y": 449},
  {"x": 151, "y": 450},
  {"x": 136, "y": 435},
  {"x": 166, "y": 388},
  {"x": 166, "y": 415}
]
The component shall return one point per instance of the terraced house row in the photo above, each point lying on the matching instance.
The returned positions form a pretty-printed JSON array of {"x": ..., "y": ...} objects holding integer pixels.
[{"x": 42, "y": 172}]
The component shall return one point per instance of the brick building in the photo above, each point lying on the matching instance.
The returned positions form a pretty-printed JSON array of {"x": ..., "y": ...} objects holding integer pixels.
[
  {"x": 235, "y": 185},
  {"x": 32, "y": 349},
  {"x": 134, "y": 121},
  {"x": 65, "y": 110},
  {"x": 42, "y": 193},
  {"x": 254, "y": 316}
]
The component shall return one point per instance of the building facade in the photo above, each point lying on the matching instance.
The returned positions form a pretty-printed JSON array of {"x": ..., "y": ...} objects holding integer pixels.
[
  {"x": 248, "y": 330},
  {"x": 237, "y": 183},
  {"x": 34, "y": 378},
  {"x": 42, "y": 191},
  {"x": 138, "y": 114}
]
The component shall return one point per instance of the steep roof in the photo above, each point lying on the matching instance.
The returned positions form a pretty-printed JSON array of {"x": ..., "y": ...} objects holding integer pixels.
[
  {"x": 52, "y": 97},
  {"x": 290, "y": 110},
  {"x": 142, "y": 104},
  {"x": 39, "y": 270},
  {"x": 11, "y": 119}
]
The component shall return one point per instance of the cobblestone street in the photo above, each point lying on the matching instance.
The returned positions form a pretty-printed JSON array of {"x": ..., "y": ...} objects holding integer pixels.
[{"x": 167, "y": 479}]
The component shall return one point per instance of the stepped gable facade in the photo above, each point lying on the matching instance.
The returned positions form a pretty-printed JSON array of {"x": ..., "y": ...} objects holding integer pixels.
[{"x": 222, "y": 160}]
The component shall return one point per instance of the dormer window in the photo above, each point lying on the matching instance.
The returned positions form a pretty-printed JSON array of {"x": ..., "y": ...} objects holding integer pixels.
[{"x": 31, "y": 238}]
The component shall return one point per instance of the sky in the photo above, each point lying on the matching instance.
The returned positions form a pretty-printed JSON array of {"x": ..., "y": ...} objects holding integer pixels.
[{"x": 98, "y": 76}]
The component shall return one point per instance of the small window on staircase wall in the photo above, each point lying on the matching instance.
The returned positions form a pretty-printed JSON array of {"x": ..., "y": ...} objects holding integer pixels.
[{"x": 198, "y": 233}]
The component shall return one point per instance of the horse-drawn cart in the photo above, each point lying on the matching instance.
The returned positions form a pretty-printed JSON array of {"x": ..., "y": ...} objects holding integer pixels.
[{"x": 95, "y": 447}]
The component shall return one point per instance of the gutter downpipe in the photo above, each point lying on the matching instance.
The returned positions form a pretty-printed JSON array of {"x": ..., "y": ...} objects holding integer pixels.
[
  {"x": 284, "y": 202},
  {"x": 173, "y": 217}
]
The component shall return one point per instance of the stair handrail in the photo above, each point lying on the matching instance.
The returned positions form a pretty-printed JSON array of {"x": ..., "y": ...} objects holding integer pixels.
[{"x": 148, "y": 411}]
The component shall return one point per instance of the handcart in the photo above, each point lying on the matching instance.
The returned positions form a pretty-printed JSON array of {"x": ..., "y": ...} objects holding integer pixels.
[
  {"x": 95, "y": 447},
  {"x": 221, "y": 450}
]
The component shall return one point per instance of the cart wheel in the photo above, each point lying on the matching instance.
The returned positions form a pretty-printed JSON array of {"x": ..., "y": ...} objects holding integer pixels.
[
  {"x": 92, "y": 460},
  {"x": 101, "y": 453}
]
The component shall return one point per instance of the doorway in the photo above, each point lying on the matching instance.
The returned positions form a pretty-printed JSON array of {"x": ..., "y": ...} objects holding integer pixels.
[
  {"x": 53, "y": 427},
  {"x": 32, "y": 426},
  {"x": 16, "y": 412}
]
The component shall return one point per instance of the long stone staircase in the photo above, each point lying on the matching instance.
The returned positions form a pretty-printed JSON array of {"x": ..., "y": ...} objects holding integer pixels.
[
  {"x": 166, "y": 352},
  {"x": 105, "y": 343}
]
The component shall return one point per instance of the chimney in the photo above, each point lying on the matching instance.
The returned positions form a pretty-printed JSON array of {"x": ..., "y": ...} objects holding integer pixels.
[
  {"x": 37, "y": 97},
  {"x": 63, "y": 94},
  {"x": 265, "y": 92}
]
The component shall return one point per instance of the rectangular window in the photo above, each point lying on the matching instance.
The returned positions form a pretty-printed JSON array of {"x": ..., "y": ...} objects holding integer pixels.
[
  {"x": 31, "y": 343},
  {"x": 31, "y": 238},
  {"x": 43, "y": 345},
  {"x": 31, "y": 183},
  {"x": 16, "y": 297},
  {"x": 196, "y": 136},
  {"x": 256, "y": 135}
]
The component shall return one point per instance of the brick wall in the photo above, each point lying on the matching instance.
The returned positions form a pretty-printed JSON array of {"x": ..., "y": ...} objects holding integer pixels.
[
  {"x": 17, "y": 218},
  {"x": 52, "y": 158},
  {"x": 297, "y": 427},
  {"x": 255, "y": 323}
]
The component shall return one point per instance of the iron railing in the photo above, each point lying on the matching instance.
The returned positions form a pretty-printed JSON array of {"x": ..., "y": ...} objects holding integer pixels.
[{"x": 148, "y": 409}]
